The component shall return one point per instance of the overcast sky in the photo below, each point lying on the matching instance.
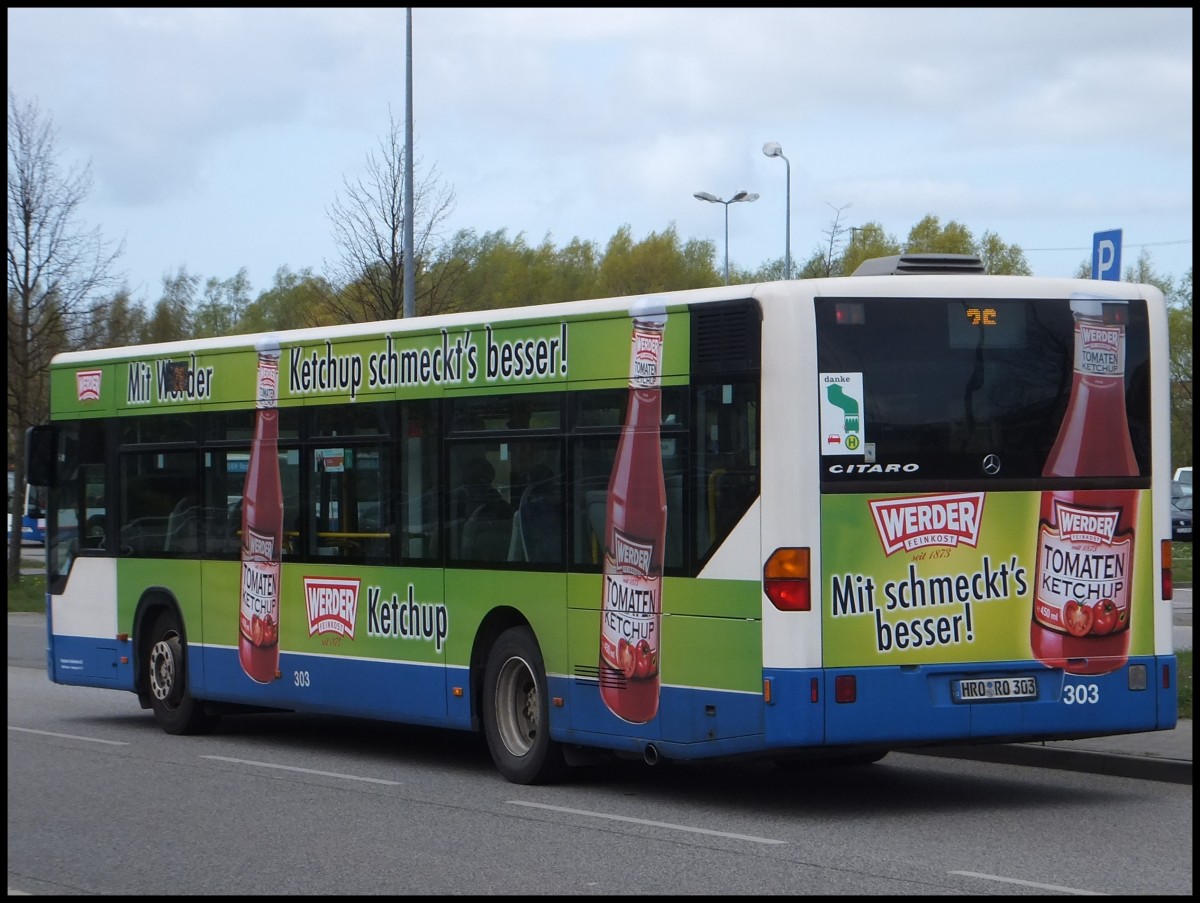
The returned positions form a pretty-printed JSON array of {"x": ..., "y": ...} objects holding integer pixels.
[{"x": 219, "y": 138}]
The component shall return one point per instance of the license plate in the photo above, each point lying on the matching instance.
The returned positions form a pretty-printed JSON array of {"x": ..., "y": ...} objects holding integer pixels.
[{"x": 994, "y": 689}]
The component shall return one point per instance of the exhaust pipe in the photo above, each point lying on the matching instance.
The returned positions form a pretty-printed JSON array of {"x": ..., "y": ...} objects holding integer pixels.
[{"x": 650, "y": 754}]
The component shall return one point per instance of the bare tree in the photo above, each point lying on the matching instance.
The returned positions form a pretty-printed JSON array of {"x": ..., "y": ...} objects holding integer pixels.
[
  {"x": 57, "y": 271},
  {"x": 824, "y": 261},
  {"x": 368, "y": 226}
]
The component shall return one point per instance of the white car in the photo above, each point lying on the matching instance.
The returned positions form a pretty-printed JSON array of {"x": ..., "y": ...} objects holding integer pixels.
[{"x": 1183, "y": 476}]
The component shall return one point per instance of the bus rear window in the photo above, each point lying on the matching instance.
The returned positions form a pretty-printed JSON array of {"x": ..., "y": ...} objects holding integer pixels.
[{"x": 925, "y": 391}]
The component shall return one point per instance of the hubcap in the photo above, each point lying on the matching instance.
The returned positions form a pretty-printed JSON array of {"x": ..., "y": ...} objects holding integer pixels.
[
  {"x": 162, "y": 669},
  {"x": 517, "y": 706}
]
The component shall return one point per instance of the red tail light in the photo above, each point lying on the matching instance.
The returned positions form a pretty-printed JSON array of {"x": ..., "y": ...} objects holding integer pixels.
[
  {"x": 1168, "y": 582},
  {"x": 786, "y": 580},
  {"x": 845, "y": 688}
]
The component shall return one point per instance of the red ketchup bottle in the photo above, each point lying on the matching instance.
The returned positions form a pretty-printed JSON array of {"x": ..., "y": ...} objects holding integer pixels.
[
  {"x": 635, "y": 535},
  {"x": 1082, "y": 593},
  {"x": 262, "y": 530}
]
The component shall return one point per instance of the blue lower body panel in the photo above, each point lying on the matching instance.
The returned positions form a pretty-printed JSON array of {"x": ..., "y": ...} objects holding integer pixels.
[
  {"x": 338, "y": 685},
  {"x": 90, "y": 662},
  {"x": 891, "y": 707},
  {"x": 914, "y": 705}
]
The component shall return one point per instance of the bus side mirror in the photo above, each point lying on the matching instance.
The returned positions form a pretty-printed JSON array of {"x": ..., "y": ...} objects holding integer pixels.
[{"x": 40, "y": 455}]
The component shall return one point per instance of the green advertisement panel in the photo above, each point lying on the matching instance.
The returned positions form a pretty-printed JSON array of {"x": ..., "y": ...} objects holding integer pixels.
[
  {"x": 509, "y": 355},
  {"x": 954, "y": 577}
]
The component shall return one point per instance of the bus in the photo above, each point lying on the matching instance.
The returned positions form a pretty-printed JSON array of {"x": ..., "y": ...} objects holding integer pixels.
[
  {"x": 33, "y": 514},
  {"x": 803, "y": 520}
]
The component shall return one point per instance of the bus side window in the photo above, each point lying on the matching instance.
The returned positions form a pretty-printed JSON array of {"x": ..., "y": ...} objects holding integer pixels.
[
  {"x": 415, "y": 506},
  {"x": 537, "y": 533},
  {"x": 183, "y": 526},
  {"x": 154, "y": 487},
  {"x": 481, "y": 519},
  {"x": 95, "y": 510},
  {"x": 726, "y": 460}
]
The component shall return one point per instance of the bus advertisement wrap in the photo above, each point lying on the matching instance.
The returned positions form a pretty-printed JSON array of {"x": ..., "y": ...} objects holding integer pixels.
[
  {"x": 822, "y": 517},
  {"x": 390, "y": 366},
  {"x": 953, "y": 578}
]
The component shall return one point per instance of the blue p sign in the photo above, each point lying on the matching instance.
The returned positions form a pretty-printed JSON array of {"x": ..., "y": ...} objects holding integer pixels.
[{"x": 1106, "y": 255}]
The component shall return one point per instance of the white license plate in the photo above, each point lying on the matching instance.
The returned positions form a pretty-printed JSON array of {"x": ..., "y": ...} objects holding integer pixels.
[{"x": 994, "y": 689}]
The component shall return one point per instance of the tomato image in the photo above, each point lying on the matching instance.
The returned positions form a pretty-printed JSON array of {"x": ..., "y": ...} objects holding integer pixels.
[
  {"x": 1104, "y": 617},
  {"x": 1077, "y": 617},
  {"x": 647, "y": 660},
  {"x": 256, "y": 631},
  {"x": 627, "y": 657}
]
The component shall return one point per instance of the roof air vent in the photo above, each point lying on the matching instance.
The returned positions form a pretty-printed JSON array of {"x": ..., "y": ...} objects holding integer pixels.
[{"x": 900, "y": 264}]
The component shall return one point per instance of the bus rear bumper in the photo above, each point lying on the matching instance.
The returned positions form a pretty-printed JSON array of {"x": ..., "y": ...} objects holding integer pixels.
[{"x": 919, "y": 704}]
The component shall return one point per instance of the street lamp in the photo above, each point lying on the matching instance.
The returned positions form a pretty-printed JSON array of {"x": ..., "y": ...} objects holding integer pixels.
[
  {"x": 713, "y": 199},
  {"x": 774, "y": 149}
]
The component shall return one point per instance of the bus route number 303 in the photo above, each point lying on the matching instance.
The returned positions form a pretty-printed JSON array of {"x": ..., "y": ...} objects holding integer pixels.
[
  {"x": 300, "y": 678},
  {"x": 1081, "y": 694}
]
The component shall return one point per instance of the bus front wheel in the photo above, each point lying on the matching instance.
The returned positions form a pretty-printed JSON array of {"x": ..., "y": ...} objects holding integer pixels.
[
  {"x": 175, "y": 709},
  {"x": 516, "y": 711}
]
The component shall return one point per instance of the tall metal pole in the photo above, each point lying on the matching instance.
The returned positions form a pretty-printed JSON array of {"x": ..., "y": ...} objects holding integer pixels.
[
  {"x": 713, "y": 199},
  {"x": 726, "y": 203},
  {"x": 787, "y": 252},
  {"x": 774, "y": 149},
  {"x": 410, "y": 296}
]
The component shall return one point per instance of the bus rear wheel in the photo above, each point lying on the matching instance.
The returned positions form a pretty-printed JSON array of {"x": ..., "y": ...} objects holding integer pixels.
[
  {"x": 175, "y": 709},
  {"x": 516, "y": 711}
]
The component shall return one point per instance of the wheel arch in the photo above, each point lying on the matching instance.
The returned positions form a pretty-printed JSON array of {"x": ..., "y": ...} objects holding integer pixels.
[
  {"x": 494, "y": 623},
  {"x": 154, "y": 601}
]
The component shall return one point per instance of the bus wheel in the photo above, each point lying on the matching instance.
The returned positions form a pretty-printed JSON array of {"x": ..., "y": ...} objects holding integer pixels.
[
  {"x": 175, "y": 709},
  {"x": 516, "y": 711}
]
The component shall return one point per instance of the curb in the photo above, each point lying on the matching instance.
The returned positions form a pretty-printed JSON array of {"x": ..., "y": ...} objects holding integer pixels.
[{"x": 1145, "y": 768}]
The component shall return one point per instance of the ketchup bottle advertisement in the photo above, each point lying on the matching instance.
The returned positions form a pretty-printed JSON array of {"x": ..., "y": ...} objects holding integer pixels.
[
  {"x": 635, "y": 535},
  {"x": 262, "y": 530},
  {"x": 1083, "y": 587}
]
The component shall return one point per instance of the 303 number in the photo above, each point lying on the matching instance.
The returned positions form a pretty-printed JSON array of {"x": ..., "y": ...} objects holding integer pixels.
[
  {"x": 1081, "y": 694},
  {"x": 300, "y": 678}
]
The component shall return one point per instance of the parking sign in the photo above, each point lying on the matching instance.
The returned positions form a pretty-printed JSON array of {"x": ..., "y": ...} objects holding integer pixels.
[{"x": 1106, "y": 255}]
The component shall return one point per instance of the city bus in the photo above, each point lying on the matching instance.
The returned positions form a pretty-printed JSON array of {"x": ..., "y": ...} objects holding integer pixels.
[
  {"x": 33, "y": 514},
  {"x": 809, "y": 520}
]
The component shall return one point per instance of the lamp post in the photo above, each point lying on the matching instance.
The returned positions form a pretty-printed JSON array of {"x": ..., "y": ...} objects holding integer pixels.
[
  {"x": 410, "y": 265},
  {"x": 774, "y": 149},
  {"x": 713, "y": 199}
]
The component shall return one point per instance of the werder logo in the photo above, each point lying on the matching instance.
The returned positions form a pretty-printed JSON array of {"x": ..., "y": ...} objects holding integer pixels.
[
  {"x": 631, "y": 555},
  {"x": 932, "y": 520},
  {"x": 1101, "y": 350},
  {"x": 1100, "y": 338},
  {"x": 647, "y": 357},
  {"x": 332, "y": 604},
  {"x": 87, "y": 384},
  {"x": 1085, "y": 524},
  {"x": 261, "y": 546}
]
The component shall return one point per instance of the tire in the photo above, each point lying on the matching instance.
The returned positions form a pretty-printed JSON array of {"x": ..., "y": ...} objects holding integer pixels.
[
  {"x": 516, "y": 711},
  {"x": 175, "y": 709}
]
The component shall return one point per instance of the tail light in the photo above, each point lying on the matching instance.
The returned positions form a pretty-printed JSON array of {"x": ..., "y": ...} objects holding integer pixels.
[
  {"x": 786, "y": 579},
  {"x": 845, "y": 688},
  {"x": 1168, "y": 582}
]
